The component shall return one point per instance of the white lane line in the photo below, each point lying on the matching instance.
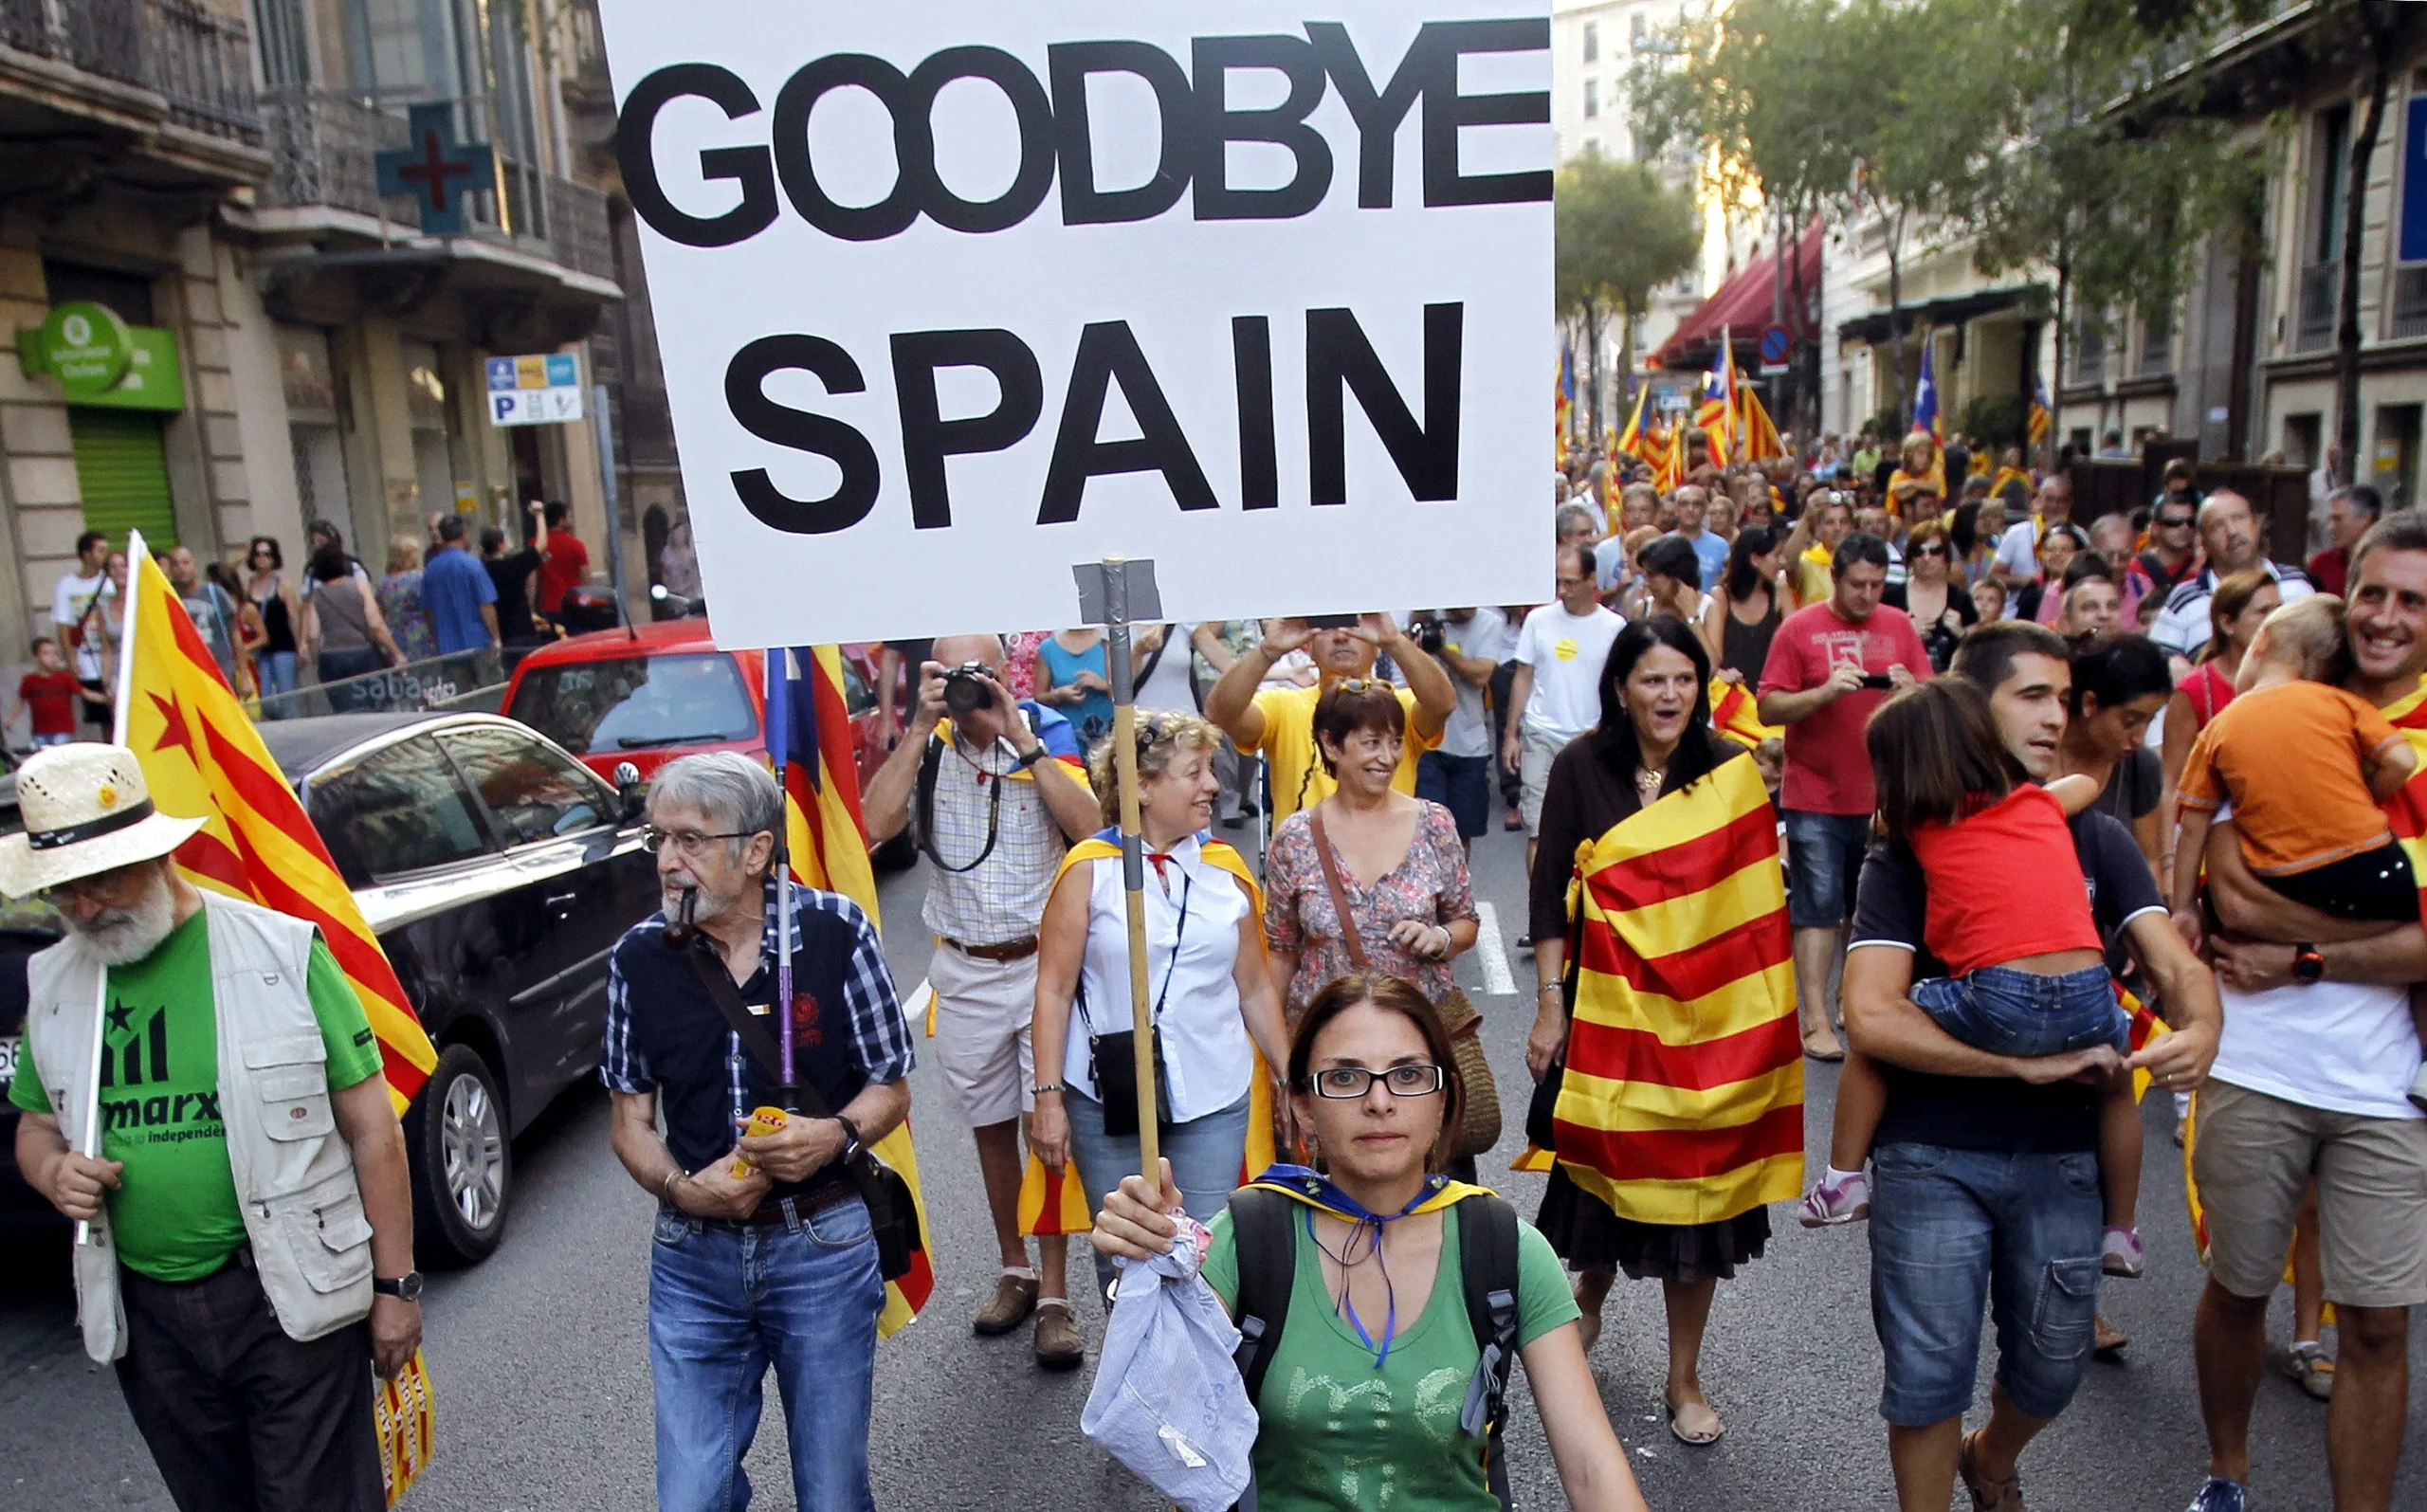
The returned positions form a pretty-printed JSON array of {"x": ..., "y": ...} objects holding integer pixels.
[{"x": 1497, "y": 979}]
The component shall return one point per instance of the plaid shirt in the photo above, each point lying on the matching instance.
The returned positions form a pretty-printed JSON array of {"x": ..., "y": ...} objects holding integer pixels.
[{"x": 879, "y": 1043}]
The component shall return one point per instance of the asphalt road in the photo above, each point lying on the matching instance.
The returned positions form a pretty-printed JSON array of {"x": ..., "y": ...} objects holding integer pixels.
[{"x": 542, "y": 1373}]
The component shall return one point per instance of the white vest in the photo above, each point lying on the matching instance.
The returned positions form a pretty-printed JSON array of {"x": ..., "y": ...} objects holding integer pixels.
[{"x": 294, "y": 1171}]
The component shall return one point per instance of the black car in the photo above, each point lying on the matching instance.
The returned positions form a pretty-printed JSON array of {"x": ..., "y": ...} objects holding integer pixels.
[{"x": 499, "y": 873}]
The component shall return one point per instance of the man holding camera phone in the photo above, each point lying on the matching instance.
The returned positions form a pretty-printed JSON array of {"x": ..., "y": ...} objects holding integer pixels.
[
  {"x": 1831, "y": 665},
  {"x": 997, "y": 791}
]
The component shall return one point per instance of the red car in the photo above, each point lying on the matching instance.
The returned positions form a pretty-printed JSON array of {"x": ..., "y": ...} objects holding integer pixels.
[{"x": 664, "y": 689}]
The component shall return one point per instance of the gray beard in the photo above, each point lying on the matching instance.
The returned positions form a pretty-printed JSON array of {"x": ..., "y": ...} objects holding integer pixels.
[
  {"x": 709, "y": 905},
  {"x": 122, "y": 936}
]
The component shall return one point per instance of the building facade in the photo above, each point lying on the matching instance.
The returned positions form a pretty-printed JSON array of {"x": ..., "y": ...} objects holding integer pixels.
[{"x": 203, "y": 170}]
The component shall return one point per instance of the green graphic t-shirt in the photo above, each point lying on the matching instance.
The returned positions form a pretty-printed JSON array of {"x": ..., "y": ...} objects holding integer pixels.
[
  {"x": 1339, "y": 1434},
  {"x": 175, "y": 1215}
]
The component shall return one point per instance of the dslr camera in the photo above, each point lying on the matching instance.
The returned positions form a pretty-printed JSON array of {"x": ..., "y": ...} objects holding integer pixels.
[
  {"x": 965, "y": 690},
  {"x": 1428, "y": 632}
]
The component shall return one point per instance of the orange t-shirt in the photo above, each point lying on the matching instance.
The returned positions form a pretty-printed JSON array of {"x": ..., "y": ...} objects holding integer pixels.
[{"x": 2289, "y": 758}]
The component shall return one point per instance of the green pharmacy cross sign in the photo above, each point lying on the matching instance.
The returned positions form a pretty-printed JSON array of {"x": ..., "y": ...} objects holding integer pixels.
[
  {"x": 437, "y": 171},
  {"x": 101, "y": 361}
]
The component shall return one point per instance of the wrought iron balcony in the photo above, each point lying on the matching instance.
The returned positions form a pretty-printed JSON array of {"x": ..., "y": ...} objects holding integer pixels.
[
  {"x": 2410, "y": 301},
  {"x": 195, "y": 59},
  {"x": 2314, "y": 311},
  {"x": 324, "y": 144}
]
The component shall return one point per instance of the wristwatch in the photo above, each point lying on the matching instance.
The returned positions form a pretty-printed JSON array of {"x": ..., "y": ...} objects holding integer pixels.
[
  {"x": 1021, "y": 763},
  {"x": 406, "y": 1288},
  {"x": 2309, "y": 966},
  {"x": 851, "y": 1145}
]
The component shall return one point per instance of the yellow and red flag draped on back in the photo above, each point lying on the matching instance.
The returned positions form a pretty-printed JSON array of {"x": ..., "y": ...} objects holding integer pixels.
[
  {"x": 1683, "y": 1102},
  {"x": 825, "y": 839},
  {"x": 201, "y": 756},
  {"x": 1055, "y": 1202}
]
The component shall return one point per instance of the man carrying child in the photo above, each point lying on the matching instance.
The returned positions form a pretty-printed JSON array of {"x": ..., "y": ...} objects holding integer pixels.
[
  {"x": 1985, "y": 1166},
  {"x": 2319, "y": 1054}
]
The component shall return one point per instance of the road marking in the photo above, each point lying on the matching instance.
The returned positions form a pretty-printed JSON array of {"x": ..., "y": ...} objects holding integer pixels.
[{"x": 1497, "y": 979}]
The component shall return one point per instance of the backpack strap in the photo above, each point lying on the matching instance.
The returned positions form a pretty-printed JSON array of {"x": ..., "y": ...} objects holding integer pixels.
[
  {"x": 1487, "y": 1267},
  {"x": 1268, "y": 1259}
]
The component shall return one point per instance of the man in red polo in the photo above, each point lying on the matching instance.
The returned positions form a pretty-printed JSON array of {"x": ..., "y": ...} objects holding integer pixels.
[{"x": 564, "y": 564}]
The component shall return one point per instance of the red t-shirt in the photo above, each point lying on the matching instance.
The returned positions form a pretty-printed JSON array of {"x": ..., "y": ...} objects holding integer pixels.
[
  {"x": 1972, "y": 867},
  {"x": 1828, "y": 771},
  {"x": 566, "y": 565},
  {"x": 51, "y": 698}
]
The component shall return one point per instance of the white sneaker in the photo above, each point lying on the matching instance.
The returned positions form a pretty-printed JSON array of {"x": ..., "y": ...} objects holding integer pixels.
[{"x": 1836, "y": 1198}]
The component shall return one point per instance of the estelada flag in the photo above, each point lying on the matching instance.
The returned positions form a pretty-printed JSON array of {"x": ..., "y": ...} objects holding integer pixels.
[
  {"x": 1055, "y": 1202},
  {"x": 1683, "y": 1102},
  {"x": 201, "y": 756},
  {"x": 826, "y": 845},
  {"x": 1761, "y": 435}
]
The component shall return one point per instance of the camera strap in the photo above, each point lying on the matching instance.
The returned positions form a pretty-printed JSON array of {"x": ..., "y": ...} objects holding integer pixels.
[{"x": 930, "y": 772}]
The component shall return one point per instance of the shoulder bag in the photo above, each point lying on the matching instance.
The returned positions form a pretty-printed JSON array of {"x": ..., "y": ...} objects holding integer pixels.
[
  {"x": 893, "y": 1219},
  {"x": 1479, "y": 1104}
]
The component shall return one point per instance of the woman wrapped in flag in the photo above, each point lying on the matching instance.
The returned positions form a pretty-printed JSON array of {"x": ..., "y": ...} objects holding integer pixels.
[
  {"x": 1384, "y": 1300},
  {"x": 1214, "y": 1003},
  {"x": 1664, "y": 1039}
]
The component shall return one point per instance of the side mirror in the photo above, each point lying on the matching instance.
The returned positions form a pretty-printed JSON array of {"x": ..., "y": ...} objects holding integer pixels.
[{"x": 631, "y": 789}]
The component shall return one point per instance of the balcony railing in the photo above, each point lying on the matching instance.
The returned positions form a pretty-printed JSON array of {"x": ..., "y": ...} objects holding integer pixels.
[
  {"x": 2314, "y": 310},
  {"x": 324, "y": 145},
  {"x": 2090, "y": 356},
  {"x": 2410, "y": 300},
  {"x": 2157, "y": 354},
  {"x": 197, "y": 60}
]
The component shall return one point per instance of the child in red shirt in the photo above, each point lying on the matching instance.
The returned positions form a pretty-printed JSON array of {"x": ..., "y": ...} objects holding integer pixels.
[
  {"x": 50, "y": 691},
  {"x": 2025, "y": 981}
]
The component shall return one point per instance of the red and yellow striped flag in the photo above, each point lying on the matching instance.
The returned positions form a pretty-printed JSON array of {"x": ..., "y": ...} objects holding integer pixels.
[
  {"x": 1683, "y": 1102},
  {"x": 827, "y": 845},
  {"x": 201, "y": 756},
  {"x": 1735, "y": 712},
  {"x": 2406, "y": 810},
  {"x": 1054, "y": 1202}
]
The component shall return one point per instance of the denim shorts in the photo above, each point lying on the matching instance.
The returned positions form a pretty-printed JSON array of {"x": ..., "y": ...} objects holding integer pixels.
[
  {"x": 1823, "y": 859},
  {"x": 1951, "y": 1230},
  {"x": 2026, "y": 1014},
  {"x": 1459, "y": 784}
]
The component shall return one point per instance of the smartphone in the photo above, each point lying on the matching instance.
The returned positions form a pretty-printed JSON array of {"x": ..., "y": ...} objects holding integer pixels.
[
  {"x": 1877, "y": 680},
  {"x": 1331, "y": 622}
]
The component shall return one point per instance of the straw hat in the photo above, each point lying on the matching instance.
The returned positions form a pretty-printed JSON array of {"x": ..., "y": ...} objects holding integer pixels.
[{"x": 86, "y": 810}]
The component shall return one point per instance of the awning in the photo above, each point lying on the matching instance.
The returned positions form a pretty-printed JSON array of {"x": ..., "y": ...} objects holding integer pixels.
[
  {"x": 1743, "y": 306},
  {"x": 1878, "y": 325}
]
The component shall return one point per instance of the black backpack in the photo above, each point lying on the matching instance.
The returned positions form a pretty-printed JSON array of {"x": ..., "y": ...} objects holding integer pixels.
[{"x": 1268, "y": 1260}]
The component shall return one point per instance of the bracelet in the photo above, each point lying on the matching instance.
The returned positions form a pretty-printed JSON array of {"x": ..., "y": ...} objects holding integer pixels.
[
  {"x": 1547, "y": 986},
  {"x": 1050, "y": 1086},
  {"x": 673, "y": 1178}
]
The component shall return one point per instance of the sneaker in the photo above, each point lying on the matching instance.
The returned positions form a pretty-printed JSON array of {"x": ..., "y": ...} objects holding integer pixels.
[
  {"x": 2419, "y": 1088},
  {"x": 1014, "y": 1299},
  {"x": 2311, "y": 1370},
  {"x": 1514, "y": 821},
  {"x": 2219, "y": 1495},
  {"x": 1836, "y": 1198},
  {"x": 1059, "y": 1344},
  {"x": 2121, "y": 1255}
]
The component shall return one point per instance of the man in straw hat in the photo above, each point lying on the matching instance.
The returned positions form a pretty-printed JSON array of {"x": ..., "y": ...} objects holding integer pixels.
[{"x": 251, "y": 1222}]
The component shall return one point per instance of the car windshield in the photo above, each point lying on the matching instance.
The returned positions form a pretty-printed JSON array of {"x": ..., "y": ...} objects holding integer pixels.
[{"x": 637, "y": 703}]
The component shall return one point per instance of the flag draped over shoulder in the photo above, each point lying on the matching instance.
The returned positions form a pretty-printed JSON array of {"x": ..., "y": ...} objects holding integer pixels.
[
  {"x": 201, "y": 756},
  {"x": 1683, "y": 1101},
  {"x": 1055, "y": 1202},
  {"x": 826, "y": 847}
]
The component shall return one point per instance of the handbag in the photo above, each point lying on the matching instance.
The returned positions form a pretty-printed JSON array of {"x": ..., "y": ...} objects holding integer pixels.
[
  {"x": 893, "y": 1217},
  {"x": 1479, "y": 1105},
  {"x": 1112, "y": 1059}
]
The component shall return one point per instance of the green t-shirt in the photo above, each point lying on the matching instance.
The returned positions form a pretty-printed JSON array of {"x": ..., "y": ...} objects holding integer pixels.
[
  {"x": 174, "y": 1214},
  {"x": 1338, "y": 1433}
]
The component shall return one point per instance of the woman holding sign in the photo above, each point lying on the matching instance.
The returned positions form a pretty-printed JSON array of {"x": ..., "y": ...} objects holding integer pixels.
[{"x": 1214, "y": 1004}]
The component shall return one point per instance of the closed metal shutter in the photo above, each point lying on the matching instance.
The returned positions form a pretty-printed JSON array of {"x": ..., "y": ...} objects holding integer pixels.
[{"x": 124, "y": 471}]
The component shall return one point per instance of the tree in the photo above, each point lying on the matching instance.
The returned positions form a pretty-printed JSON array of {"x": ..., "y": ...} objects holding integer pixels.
[{"x": 1621, "y": 233}]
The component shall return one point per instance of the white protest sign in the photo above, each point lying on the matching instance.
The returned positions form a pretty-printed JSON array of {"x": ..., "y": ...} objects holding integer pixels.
[{"x": 955, "y": 296}]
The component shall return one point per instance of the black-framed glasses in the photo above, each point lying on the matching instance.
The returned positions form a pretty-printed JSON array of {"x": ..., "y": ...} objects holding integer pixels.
[
  {"x": 1345, "y": 1083},
  {"x": 686, "y": 842}
]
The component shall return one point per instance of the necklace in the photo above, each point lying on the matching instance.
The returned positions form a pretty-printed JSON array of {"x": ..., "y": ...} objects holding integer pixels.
[{"x": 1646, "y": 782}]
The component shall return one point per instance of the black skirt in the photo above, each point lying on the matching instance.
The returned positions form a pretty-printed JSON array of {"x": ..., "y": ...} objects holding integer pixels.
[{"x": 1589, "y": 1236}]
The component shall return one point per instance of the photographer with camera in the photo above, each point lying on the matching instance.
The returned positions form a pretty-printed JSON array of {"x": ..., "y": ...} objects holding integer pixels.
[
  {"x": 998, "y": 793},
  {"x": 1280, "y": 722}
]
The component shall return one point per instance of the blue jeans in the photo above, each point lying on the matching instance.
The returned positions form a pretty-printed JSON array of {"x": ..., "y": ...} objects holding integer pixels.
[
  {"x": 725, "y": 1301},
  {"x": 1951, "y": 1228},
  {"x": 1205, "y": 1154},
  {"x": 1459, "y": 784},
  {"x": 2025, "y": 1015},
  {"x": 1823, "y": 858},
  {"x": 275, "y": 671}
]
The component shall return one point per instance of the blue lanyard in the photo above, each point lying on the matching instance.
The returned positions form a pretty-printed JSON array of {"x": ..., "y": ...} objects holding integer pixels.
[{"x": 1361, "y": 1219}]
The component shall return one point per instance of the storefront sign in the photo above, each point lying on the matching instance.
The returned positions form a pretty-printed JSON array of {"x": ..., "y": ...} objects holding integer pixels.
[
  {"x": 101, "y": 361},
  {"x": 544, "y": 390},
  {"x": 996, "y": 290}
]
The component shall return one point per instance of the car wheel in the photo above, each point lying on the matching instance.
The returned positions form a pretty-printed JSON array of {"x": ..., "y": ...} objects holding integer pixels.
[
  {"x": 897, "y": 854},
  {"x": 462, "y": 1160}
]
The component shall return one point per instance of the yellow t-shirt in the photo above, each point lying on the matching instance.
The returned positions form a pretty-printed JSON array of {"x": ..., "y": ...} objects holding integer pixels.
[{"x": 1298, "y": 777}]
